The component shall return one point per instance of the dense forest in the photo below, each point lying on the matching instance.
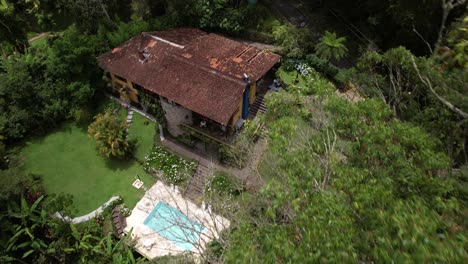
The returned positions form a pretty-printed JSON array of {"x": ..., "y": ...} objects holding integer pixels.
[{"x": 383, "y": 178}]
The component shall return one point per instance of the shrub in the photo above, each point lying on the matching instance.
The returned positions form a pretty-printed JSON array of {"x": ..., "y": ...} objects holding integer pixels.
[
  {"x": 111, "y": 136},
  {"x": 322, "y": 66},
  {"x": 222, "y": 184},
  {"x": 175, "y": 170}
]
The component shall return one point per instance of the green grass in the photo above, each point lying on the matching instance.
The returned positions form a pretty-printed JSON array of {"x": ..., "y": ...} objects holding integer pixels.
[
  {"x": 312, "y": 84},
  {"x": 145, "y": 131},
  {"x": 289, "y": 77},
  {"x": 68, "y": 161},
  {"x": 40, "y": 42}
]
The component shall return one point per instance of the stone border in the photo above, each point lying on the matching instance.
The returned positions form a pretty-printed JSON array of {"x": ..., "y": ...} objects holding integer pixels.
[{"x": 86, "y": 217}]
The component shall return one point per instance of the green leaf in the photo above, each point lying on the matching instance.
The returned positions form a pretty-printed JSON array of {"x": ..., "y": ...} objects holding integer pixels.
[
  {"x": 36, "y": 203},
  {"x": 75, "y": 232},
  {"x": 25, "y": 255},
  {"x": 109, "y": 245}
]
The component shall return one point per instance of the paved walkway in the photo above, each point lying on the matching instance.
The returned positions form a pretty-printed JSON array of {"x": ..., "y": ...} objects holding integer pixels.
[
  {"x": 132, "y": 108},
  {"x": 86, "y": 217},
  {"x": 248, "y": 175}
]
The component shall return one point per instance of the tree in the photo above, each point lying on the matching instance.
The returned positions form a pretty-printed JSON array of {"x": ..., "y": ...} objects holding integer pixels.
[
  {"x": 294, "y": 41},
  {"x": 331, "y": 46},
  {"x": 89, "y": 14},
  {"x": 457, "y": 54},
  {"x": 225, "y": 15},
  {"x": 13, "y": 26},
  {"x": 111, "y": 136},
  {"x": 358, "y": 185},
  {"x": 141, "y": 8},
  {"x": 420, "y": 90}
]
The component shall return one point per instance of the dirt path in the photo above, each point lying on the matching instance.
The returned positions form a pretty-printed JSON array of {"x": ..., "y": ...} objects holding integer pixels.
[{"x": 43, "y": 34}]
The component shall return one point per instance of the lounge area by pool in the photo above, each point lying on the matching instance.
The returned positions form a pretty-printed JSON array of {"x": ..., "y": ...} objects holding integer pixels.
[
  {"x": 170, "y": 223},
  {"x": 165, "y": 223}
]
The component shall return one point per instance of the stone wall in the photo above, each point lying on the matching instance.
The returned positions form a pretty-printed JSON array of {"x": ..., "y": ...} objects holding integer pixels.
[{"x": 176, "y": 115}]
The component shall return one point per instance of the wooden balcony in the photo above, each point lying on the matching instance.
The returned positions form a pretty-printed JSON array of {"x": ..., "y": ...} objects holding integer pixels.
[{"x": 208, "y": 134}]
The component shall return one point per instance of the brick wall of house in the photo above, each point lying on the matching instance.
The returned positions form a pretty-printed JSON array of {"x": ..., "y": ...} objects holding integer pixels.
[{"x": 176, "y": 115}]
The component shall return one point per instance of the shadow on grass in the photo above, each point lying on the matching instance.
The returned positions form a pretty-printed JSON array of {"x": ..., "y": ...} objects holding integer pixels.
[
  {"x": 116, "y": 164},
  {"x": 39, "y": 136}
]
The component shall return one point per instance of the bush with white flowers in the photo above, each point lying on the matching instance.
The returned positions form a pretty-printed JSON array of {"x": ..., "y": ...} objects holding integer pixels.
[
  {"x": 175, "y": 170},
  {"x": 302, "y": 67}
]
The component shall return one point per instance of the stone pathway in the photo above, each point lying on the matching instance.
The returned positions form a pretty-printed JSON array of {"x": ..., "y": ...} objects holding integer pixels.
[
  {"x": 86, "y": 217},
  {"x": 131, "y": 108},
  {"x": 129, "y": 119}
]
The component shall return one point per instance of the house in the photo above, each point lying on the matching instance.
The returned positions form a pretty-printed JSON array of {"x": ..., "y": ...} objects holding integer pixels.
[{"x": 200, "y": 79}]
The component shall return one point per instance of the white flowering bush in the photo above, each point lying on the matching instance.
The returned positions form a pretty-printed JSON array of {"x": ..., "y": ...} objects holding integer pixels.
[
  {"x": 311, "y": 82},
  {"x": 302, "y": 67},
  {"x": 175, "y": 169},
  {"x": 124, "y": 210}
]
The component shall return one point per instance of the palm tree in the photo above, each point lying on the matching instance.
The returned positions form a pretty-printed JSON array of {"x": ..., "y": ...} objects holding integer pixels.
[
  {"x": 330, "y": 46},
  {"x": 111, "y": 136}
]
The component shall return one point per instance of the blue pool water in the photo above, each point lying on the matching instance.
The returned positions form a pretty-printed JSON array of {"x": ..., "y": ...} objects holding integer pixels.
[{"x": 171, "y": 224}]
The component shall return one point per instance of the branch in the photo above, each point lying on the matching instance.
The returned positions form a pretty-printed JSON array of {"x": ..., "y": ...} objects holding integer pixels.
[
  {"x": 428, "y": 83},
  {"x": 421, "y": 37},
  {"x": 447, "y": 6}
]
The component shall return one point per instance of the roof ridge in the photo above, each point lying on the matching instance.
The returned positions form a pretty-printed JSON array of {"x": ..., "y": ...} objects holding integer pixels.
[{"x": 146, "y": 34}]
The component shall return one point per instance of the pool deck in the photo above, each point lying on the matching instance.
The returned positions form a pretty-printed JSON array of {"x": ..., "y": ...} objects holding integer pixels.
[{"x": 151, "y": 244}]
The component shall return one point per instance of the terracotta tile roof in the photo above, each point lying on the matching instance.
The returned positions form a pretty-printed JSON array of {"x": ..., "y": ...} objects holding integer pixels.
[
  {"x": 207, "y": 93},
  {"x": 231, "y": 57},
  {"x": 200, "y": 71}
]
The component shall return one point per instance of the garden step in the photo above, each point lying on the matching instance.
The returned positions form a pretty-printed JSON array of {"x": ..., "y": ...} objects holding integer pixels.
[{"x": 258, "y": 106}]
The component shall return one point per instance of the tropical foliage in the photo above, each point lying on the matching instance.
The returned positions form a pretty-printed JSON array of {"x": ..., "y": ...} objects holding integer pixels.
[
  {"x": 380, "y": 180},
  {"x": 111, "y": 136},
  {"x": 353, "y": 167},
  {"x": 222, "y": 184},
  {"x": 30, "y": 235},
  {"x": 331, "y": 46}
]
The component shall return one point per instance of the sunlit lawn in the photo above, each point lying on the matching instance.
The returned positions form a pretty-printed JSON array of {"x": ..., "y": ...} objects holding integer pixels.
[
  {"x": 68, "y": 161},
  {"x": 291, "y": 76},
  {"x": 145, "y": 131}
]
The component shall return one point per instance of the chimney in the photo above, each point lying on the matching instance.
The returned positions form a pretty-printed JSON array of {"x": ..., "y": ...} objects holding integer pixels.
[
  {"x": 246, "y": 78},
  {"x": 143, "y": 55}
]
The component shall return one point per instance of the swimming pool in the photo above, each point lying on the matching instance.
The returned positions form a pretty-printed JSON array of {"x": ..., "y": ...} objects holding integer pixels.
[{"x": 173, "y": 225}]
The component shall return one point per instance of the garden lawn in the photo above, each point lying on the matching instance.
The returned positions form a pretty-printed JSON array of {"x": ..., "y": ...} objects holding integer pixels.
[
  {"x": 146, "y": 133},
  {"x": 68, "y": 162}
]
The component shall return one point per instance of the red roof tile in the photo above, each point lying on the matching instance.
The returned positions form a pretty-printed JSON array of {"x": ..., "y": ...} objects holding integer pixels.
[{"x": 200, "y": 71}]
